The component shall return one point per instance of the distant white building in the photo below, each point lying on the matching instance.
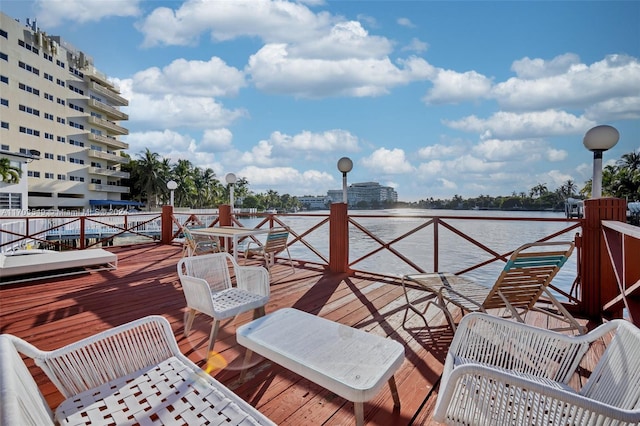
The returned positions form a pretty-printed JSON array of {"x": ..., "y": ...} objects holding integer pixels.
[
  {"x": 53, "y": 100},
  {"x": 370, "y": 192},
  {"x": 314, "y": 202}
]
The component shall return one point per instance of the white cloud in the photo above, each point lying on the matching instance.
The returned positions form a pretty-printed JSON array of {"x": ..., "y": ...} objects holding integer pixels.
[
  {"x": 416, "y": 45},
  {"x": 286, "y": 180},
  {"x": 225, "y": 20},
  {"x": 405, "y": 22},
  {"x": 161, "y": 142},
  {"x": 388, "y": 161},
  {"x": 579, "y": 86},
  {"x": 454, "y": 87},
  {"x": 439, "y": 150},
  {"x": 52, "y": 13},
  {"x": 328, "y": 141},
  {"x": 216, "y": 140},
  {"x": 274, "y": 71},
  {"x": 509, "y": 125},
  {"x": 528, "y": 69},
  {"x": 193, "y": 78}
]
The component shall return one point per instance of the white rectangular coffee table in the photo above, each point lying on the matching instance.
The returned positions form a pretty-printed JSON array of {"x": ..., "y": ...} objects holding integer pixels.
[{"x": 352, "y": 363}]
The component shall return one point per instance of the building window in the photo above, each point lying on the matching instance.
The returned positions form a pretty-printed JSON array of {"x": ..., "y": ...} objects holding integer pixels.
[
  {"x": 48, "y": 76},
  {"x": 62, "y": 177},
  {"x": 61, "y": 139},
  {"x": 4, "y": 56},
  {"x": 29, "y": 131},
  {"x": 48, "y": 175},
  {"x": 4, "y": 125},
  {"x": 61, "y": 101},
  {"x": 62, "y": 158},
  {"x": 4, "y": 79},
  {"x": 48, "y": 155},
  {"x": 29, "y": 110},
  {"x": 4, "y": 102},
  {"x": 60, "y": 82},
  {"x": 61, "y": 120},
  {"x": 48, "y": 136},
  {"x": 76, "y": 160},
  {"x": 48, "y": 97},
  {"x": 33, "y": 173},
  {"x": 48, "y": 116},
  {"x": 10, "y": 200},
  {"x": 29, "y": 89}
]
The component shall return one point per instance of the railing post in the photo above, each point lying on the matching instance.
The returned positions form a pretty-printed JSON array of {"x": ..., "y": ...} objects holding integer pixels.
[
  {"x": 598, "y": 279},
  {"x": 338, "y": 238},
  {"x": 167, "y": 224},
  {"x": 224, "y": 215},
  {"x": 225, "y": 219}
]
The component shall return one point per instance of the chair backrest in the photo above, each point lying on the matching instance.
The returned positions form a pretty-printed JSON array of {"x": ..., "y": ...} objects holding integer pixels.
[
  {"x": 22, "y": 402},
  {"x": 276, "y": 240},
  {"x": 527, "y": 273},
  {"x": 616, "y": 378},
  {"x": 213, "y": 268}
]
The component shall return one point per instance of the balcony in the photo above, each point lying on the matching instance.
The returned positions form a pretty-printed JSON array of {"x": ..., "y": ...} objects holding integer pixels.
[
  {"x": 112, "y": 142},
  {"x": 108, "y": 172},
  {"x": 92, "y": 74},
  {"x": 112, "y": 95},
  {"x": 108, "y": 188},
  {"x": 110, "y": 111},
  {"x": 106, "y": 124},
  {"x": 106, "y": 156}
]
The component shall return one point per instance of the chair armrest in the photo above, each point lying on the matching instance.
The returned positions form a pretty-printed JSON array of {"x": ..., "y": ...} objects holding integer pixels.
[
  {"x": 477, "y": 394},
  {"x": 510, "y": 345},
  {"x": 103, "y": 357},
  {"x": 254, "y": 279},
  {"x": 21, "y": 402},
  {"x": 197, "y": 293}
]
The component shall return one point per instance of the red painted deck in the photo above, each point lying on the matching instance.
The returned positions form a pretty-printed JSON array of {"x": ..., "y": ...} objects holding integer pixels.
[{"x": 53, "y": 312}]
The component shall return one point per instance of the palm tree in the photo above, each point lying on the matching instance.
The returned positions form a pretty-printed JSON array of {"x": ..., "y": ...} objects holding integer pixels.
[
  {"x": 187, "y": 192},
  {"x": 9, "y": 173},
  {"x": 630, "y": 160},
  {"x": 149, "y": 174}
]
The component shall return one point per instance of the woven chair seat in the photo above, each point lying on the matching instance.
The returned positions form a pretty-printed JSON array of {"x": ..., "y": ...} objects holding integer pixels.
[
  {"x": 231, "y": 302},
  {"x": 169, "y": 393}
]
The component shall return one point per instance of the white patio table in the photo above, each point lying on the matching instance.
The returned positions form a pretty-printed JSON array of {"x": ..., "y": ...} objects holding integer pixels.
[
  {"x": 229, "y": 232},
  {"x": 352, "y": 363}
]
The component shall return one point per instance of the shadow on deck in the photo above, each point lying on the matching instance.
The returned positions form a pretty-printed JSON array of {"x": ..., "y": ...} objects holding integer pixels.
[{"x": 53, "y": 312}]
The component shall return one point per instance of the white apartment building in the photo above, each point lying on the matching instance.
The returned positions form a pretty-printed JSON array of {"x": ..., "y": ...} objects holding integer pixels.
[
  {"x": 61, "y": 112},
  {"x": 370, "y": 192},
  {"x": 314, "y": 202}
]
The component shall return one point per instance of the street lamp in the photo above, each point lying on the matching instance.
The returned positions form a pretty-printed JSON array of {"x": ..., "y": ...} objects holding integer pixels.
[
  {"x": 171, "y": 186},
  {"x": 345, "y": 165},
  {"x": 231, "y": 180},
  {"x": 598, "y": 140}
]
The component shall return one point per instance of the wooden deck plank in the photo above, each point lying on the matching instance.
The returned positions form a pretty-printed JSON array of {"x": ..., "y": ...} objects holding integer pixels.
[{"x": 54, "y": 312}]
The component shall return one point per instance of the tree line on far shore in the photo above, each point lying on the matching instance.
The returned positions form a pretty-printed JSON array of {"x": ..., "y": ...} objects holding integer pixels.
[{"x": 201, "y": 188}]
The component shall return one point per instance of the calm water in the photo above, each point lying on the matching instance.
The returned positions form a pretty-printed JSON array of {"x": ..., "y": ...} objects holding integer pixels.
[{"x": 455, "y": 253}]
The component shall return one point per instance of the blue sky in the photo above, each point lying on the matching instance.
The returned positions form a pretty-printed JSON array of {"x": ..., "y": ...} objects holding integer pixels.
[{"x": 433, "y": 98}]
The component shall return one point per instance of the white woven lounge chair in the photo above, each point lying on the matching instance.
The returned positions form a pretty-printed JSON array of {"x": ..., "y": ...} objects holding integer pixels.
[
  {"x": 207, "y": 286},
  {"x": 131, "y": 374},
  {"x": 501, "y": 372}
]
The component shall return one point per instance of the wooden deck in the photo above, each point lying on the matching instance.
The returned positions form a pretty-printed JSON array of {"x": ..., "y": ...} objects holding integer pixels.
[{"x": 53, "y": 312}]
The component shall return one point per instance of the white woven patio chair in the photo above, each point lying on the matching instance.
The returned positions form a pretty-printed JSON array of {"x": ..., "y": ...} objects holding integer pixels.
[
  {"x": 207, "y": 286},
  {"x": 501, "y": 372},
  {"x": 131, "y": 374}
]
